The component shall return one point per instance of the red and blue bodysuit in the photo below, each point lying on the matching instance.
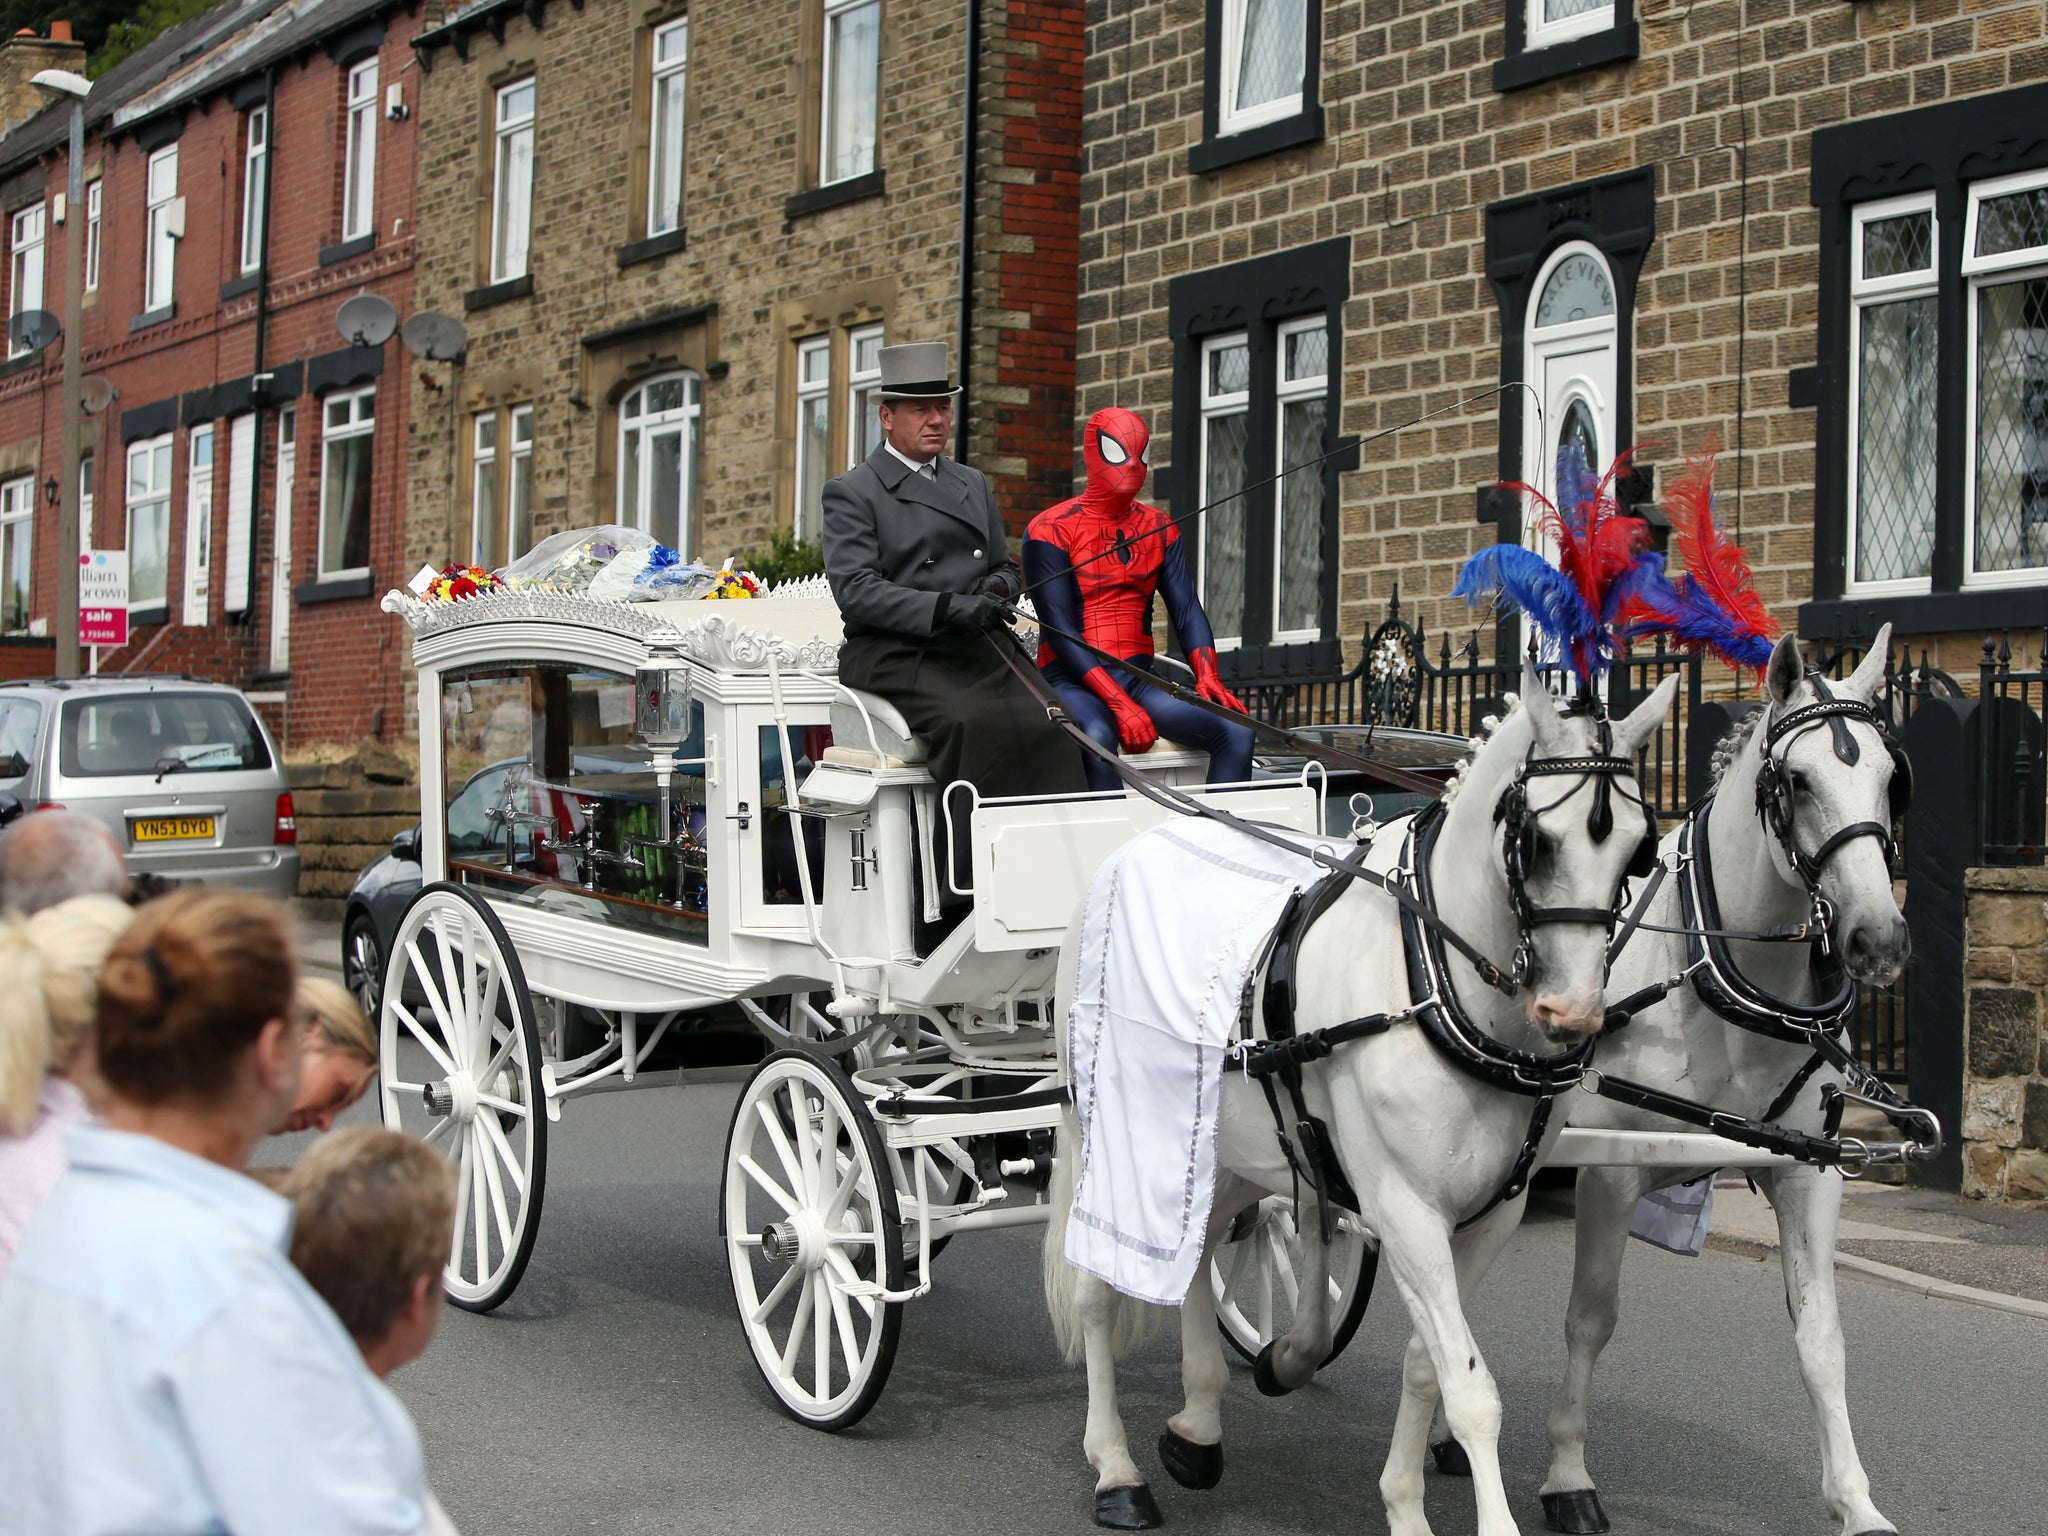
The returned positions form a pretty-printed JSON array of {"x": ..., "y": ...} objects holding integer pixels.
[{"x": 1092, "y": 565}]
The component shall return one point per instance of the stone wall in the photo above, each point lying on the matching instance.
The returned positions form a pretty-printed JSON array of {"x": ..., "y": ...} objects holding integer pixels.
[
  {"x": 2005, "y": 1092},
  {"x": 348, "y": 812}
]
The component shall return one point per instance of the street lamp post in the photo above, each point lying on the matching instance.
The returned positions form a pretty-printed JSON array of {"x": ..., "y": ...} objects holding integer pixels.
[{"x": 63, "y": 84}]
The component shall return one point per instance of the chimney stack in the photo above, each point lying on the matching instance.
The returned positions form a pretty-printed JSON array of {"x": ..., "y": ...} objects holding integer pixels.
[{"x": 24, "y": 56}]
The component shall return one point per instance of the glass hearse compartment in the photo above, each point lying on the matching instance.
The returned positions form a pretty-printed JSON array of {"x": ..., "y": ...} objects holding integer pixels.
[{"x": 560, "y": 808}]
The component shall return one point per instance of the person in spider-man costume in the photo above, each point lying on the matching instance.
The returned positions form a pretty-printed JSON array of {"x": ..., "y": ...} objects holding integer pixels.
[{"x": 1092, "y": 565}]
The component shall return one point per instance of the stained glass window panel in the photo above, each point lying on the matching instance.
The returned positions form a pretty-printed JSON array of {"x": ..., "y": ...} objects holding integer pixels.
[
  {"x": 1892, "y": 247},
  {"x": 1223, "y": 524},
  {"x": 1271, "y": 55},
  {"x": 2012, "y": 426},
  {"x": 2015, "y": 222},
  {"x": 1301, "y": 515}
]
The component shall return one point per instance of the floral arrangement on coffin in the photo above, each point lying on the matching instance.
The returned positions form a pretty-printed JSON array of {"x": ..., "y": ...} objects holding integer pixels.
[
  {"x": 459, "y": 581},
  {"x": 734, "y": 582}
]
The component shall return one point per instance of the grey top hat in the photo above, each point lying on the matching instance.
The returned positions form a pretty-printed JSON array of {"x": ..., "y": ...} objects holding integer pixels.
[{"x": 916, "y": 370}]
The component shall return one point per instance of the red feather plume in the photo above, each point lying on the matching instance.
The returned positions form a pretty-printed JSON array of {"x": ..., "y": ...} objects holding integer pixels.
[{"x": 1717, "y": 567}]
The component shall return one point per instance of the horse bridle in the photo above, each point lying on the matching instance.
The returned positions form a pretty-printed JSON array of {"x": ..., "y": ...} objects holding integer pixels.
[
  {"x": 1514, "y": 814},
  {"x": 1775, "y": 791}
]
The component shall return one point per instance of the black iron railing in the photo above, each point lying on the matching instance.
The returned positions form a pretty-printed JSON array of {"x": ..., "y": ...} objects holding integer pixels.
[{"x": 2012, "y": 786}]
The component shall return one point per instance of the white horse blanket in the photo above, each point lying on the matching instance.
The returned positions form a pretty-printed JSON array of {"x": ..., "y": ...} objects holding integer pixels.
[{"x": 1174, "y": 923}]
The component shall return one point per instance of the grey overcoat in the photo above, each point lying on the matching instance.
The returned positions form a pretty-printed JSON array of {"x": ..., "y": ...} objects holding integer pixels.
[{"x": 896, "y": 544}]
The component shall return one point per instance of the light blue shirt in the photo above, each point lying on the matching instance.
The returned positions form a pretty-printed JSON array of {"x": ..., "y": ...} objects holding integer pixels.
[{"x": 165, "y": 1369}]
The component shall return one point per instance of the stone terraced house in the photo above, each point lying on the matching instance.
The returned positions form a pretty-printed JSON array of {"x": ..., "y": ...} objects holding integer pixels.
[
  {"x": 677, "y": 236},
  {"x": 1813, "y": 231}
]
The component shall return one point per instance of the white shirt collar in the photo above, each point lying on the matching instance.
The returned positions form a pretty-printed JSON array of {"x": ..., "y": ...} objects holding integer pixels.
[{"x": 929, "y": 469}]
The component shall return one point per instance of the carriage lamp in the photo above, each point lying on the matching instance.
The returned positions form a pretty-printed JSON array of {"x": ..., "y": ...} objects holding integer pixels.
[{"x": 661, "y": 718}]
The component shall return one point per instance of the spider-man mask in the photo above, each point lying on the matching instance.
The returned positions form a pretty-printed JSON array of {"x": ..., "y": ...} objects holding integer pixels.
[{"x": 1113, "y": 447}]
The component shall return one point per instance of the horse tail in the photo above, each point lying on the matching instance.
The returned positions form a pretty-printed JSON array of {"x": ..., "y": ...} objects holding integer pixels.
[{"x": 1062, "y": 1280}]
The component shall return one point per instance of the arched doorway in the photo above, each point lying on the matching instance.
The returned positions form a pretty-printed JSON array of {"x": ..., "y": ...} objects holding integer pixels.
[{"x": 1572, "y": 343}]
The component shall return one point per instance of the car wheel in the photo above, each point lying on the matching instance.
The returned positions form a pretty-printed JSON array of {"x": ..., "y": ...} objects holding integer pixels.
[{"x": 362, "y": 962}]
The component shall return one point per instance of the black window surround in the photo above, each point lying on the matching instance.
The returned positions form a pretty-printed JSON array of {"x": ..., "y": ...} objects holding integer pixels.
[
  {"x": 1256, "y": 297},
  {"x": 833, "y": 194},
  {"x": 235, "y": 287},
  {"x": 342, "y": 367},
  {"x": 149, "y": 317},
  {"x": 1217, "y": 149},
  {"x": 151, "y": 420},
  {"x": 1942, "y": 149},
  {"x": 653, "y": 247},
  {"x": 338, "y": 590},
  {"x": 1617, "y": 216},
  {"x": 1521, "y": 66},
  {"x": 499, "y": 293}
]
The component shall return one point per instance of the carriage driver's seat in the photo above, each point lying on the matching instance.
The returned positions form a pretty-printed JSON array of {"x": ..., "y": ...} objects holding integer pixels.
[{"x": 850, "y": 742}]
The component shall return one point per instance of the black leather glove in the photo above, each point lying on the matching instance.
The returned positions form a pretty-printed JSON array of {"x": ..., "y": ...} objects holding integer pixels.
[
  {"x": 1000, "y": 585},
  {"x": 967, "y": 612}
]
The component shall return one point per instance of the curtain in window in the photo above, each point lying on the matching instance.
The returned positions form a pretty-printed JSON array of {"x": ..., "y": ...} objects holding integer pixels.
[
  {"x": 813, "y": 426},
  {"x": 1301, "y": 516},
  {"x": 1270, "y": 59},
  {"x": 149, "y": 553},
  {"x": 1895, "y": 440},
  {"x": 15, "y": 574},
  {"x": 2012, "y": 425},
  {"x": 345, "y": 505},
  {"x": 853, "y": 50}
]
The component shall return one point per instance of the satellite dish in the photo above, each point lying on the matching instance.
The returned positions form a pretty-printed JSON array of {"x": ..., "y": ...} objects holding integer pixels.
[
  {"x": 96, "y": 393},
  {"x": 436, "y": 337},
  {"x": 32, "y": 330},
  {"x": 367, "y": 320}
]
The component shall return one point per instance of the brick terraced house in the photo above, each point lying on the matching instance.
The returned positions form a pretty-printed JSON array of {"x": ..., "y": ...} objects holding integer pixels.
[
  {"x": 1815, "y": 231},
  {"x": 246, "y": 173},
  {"x": 679, "y": 234}
]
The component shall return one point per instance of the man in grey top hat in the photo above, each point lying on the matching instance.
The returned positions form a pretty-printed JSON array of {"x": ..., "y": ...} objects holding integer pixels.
[{"x": 915, "y": 552}]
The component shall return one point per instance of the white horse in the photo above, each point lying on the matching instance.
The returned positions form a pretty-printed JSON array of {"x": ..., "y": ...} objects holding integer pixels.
[
  {"x": 1423, "y": 1143},
  {"x": 1679, "y": 1044}
]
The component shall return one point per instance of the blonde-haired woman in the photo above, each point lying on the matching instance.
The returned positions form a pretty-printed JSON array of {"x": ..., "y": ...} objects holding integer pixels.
[
  {"x": 51, "y": 963},
  {"x": 340, "y": 1055}
]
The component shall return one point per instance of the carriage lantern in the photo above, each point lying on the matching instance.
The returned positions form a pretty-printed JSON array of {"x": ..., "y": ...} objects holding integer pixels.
[{"x": 661, "y": 693}]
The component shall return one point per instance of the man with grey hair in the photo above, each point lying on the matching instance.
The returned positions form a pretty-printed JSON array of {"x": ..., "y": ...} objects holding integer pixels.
[{"x": 51, "y": 856}]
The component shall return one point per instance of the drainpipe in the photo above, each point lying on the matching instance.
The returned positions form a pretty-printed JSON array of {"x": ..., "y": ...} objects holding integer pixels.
[
  {"x": 256, "y": 369},
  {"x": 970, "y": 116}
]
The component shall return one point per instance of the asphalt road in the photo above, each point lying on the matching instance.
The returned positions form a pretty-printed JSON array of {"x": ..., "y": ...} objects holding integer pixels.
[{"x": 614, "y": 1393}]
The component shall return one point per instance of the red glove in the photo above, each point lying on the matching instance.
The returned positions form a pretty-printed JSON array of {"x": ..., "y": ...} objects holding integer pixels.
[
  {"x": 1133, "y": 726},
  {"x": 1208, "y": 685}
]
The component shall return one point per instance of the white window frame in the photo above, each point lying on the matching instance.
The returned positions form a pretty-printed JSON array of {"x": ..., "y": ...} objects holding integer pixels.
[
  {"x": 805, "y": 520},
  {"x": 362, "y": 422},
  {"x": 1228, "y": 118},
  {"x": 27, "y": 247},
  {"x": 483, "y": 484},
  {"x": 93, "y": 195},
  {"x": 1539, "y": 33},
  {"x": 1285, "y": 391},
  {"x": 87, "y": 475},
  {"x": 1979, "y": 272},
  {"x": 200, "y": 443},
  {"x": 165, "y": 222},
  {"x": 519, "y": 482},
  {"x": 17, "y": 542},
  {"x": 255, "y": 158},
  {"x": 859, "y": 380},
  {"x": 155, "y": 497},
  {"x": 1864, "y": 292},
  {"x": 662, "y": 220},
  {"x": 359, "y": 150},
  {"x": 834, "y": 9},
  {"x": 281, "y": 538},
  {"x": 690, "y": 417},
  {"x": 507, "y": 263},
  {"x": 1213, "y": 407}
]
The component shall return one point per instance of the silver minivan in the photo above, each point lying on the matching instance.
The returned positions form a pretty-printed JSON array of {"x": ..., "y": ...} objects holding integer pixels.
[{"x": 181, "y": 772}]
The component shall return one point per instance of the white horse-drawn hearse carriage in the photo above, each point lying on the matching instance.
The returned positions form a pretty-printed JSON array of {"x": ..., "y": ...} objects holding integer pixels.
[{"x": 634, "y": 814}]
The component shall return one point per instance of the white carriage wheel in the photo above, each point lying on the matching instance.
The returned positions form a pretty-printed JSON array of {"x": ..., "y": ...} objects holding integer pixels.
[
  {"x": 812, "y": 1237},
  {"x": 1256, "y": 1268},
  {"x": 461, "y": 1070}
]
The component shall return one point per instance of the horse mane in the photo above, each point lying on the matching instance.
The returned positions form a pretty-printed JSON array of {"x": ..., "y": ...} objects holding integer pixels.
[
  {"x": 1733, "y": 740},
  {"x": 1487, "y": 726}
]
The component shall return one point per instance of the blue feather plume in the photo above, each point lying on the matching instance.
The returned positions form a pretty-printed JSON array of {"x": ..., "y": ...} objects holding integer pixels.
[
  {"x": 1578, "y": 488},
  {"x": 1544, "y": 593},
  {"x": 1688, "y": 613}
]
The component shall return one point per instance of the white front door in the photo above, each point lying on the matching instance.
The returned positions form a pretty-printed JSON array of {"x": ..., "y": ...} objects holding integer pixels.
[{"x": 281, "y": 548}]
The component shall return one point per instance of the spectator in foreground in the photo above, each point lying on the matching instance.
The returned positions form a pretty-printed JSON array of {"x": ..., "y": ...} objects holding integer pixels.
[
  {"x": 340, "y": 1056},
  {"x": 373, "y": 1214},
  {"x": 51, "y": 963},
  {"x": 163, "y": 1367},
  {"x": 51, "y": 856}
]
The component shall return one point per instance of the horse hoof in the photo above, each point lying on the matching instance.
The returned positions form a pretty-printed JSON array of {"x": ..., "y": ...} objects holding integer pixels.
[
  {"x": 1191, "y": 1465},
  {"x": 1577, "y": 1513},
  {"x": 1450, "y": 1459},
  {"x": 1128, "y": 1509},
  {"x": 1265, "y": 1378}
]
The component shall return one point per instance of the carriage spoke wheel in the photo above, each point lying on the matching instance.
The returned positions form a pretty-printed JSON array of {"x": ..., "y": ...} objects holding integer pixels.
[
  {"x": 812, "y": 1236},
  {"x": 1258, "y": 1268},
  {"x": 461, "y": 1070}
]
